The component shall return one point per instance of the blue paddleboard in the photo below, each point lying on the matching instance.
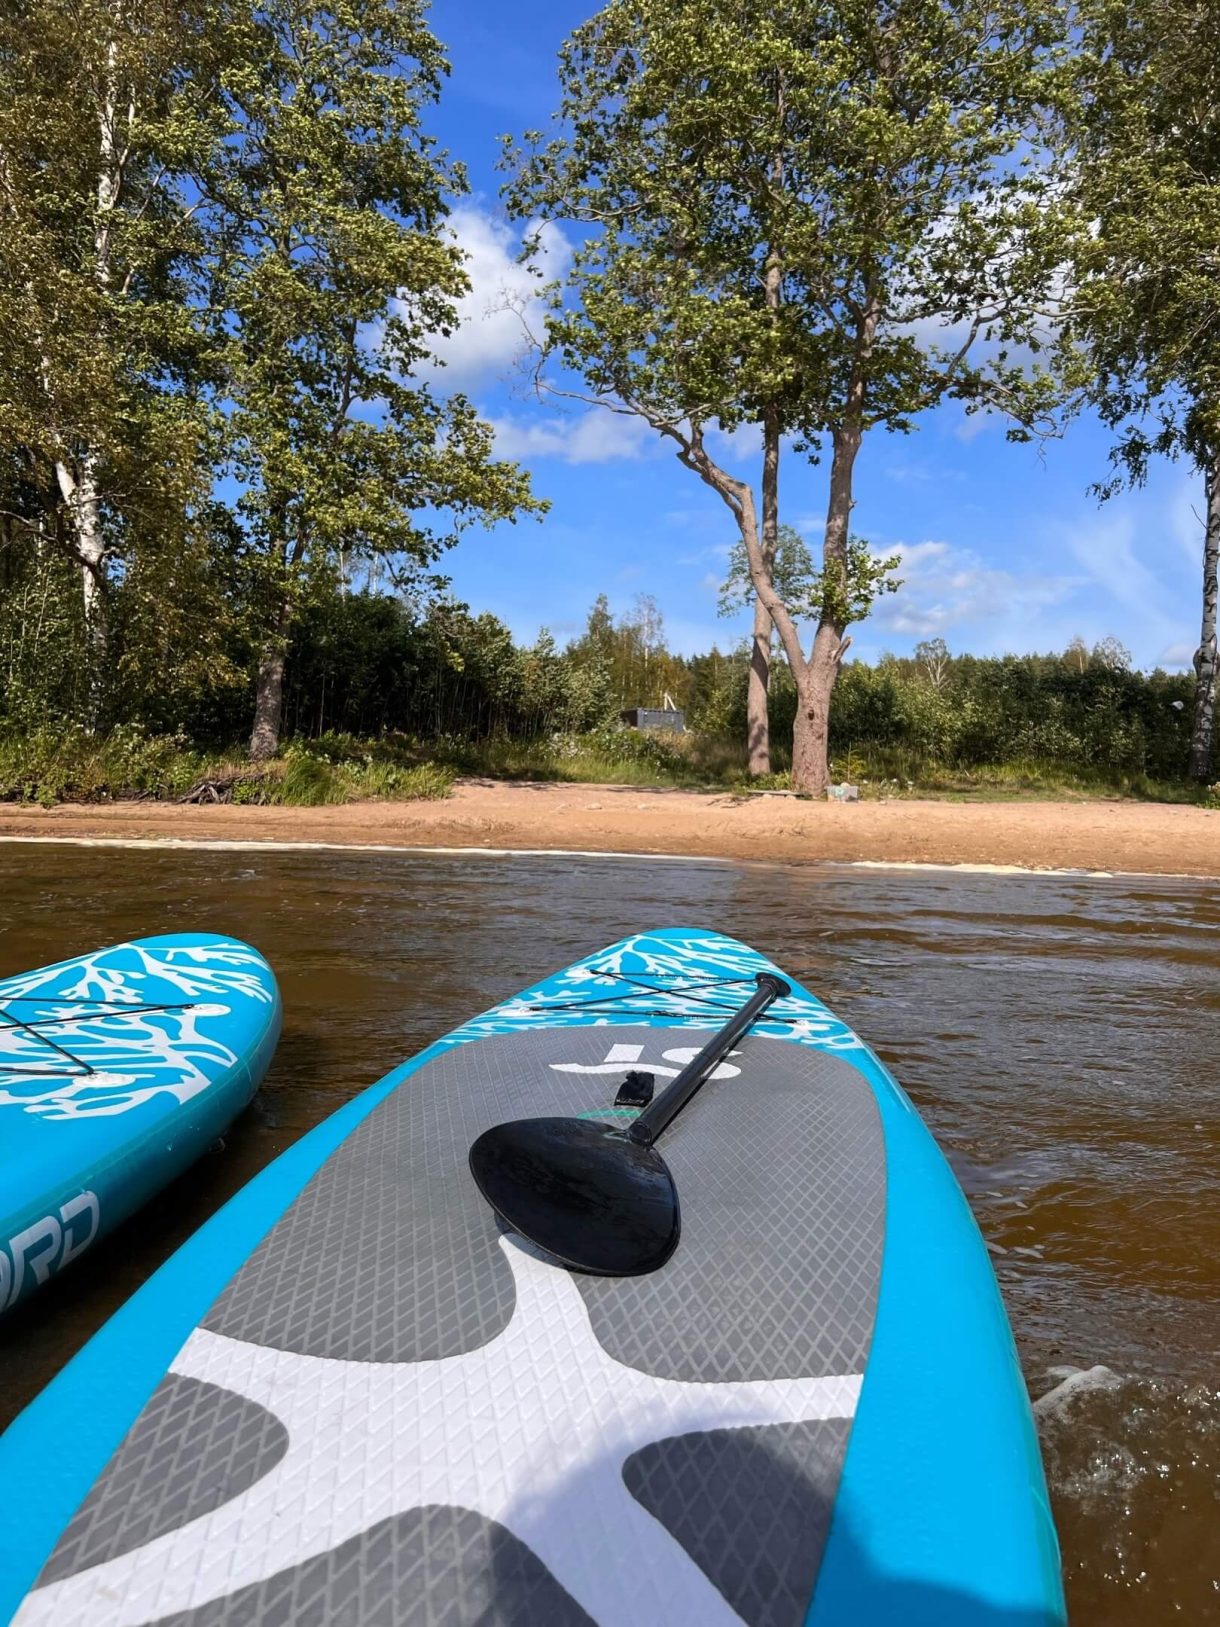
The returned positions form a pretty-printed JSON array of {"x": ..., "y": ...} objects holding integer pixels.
[
  {"x": 117, "y": 1069},
  {"x": 356, "y": 1396}
]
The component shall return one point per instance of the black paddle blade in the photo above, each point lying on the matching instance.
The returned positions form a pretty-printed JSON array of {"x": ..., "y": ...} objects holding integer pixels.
[{"x": 581, "y": 1190}]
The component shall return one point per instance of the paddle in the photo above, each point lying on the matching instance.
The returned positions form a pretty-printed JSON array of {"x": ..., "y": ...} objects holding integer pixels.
[{"x": 597, "y": 1196}]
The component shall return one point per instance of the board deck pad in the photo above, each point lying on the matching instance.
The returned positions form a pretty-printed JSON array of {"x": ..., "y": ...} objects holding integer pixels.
[
  {"x": 781, "y": 1167},
  {"x": 780, "y": 1282},
  {"x": 398, "y": 1411}
]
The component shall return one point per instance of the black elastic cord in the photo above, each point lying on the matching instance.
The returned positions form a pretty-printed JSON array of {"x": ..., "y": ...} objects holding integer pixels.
[
  {"x": 601, "y": 1002},
  {"x": 34, "y": 1030}
]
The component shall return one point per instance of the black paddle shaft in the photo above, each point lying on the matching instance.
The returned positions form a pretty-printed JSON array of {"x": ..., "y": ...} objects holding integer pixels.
[{"x": 666, "y": 1107}]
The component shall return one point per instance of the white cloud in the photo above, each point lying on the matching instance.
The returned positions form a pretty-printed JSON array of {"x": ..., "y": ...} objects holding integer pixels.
[
  {"x": 1105, "y": 546},
  {"x": 490, "y": 335},
  {"x": 594, "y": 436},
  {"x": 737, "y": 444},
  {"x": 1186, "y": 519},
  {"x": 946, "y": 587},
  {"x": 917, "y": 555},
  {"x": 1181, "y": 654}
]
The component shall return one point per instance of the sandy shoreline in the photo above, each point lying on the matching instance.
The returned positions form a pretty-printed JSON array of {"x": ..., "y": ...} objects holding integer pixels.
[{"x": 1145, "y": 838}]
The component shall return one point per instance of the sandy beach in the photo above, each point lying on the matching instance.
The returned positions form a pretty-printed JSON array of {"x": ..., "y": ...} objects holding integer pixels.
[{"x": 1144, "y": 838}]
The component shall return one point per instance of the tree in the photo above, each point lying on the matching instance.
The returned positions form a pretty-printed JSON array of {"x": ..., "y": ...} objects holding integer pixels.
[
  {"x": 630, "y": 654},
  {"x": 1077, "y": 654},
  {"x": 102, "y": 104},
  {"x": 330, "y": 274},
  {"x": 1146, "y": 305},
  {"x": 1111, "y": 654},
  {"x": 933, "y": 656},
  {"x": 822, "y": 219},
  {"x": 595, "y": 646}
]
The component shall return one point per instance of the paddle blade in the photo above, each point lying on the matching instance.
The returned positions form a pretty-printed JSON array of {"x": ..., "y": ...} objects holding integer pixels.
[{"x": 581, "y": 1190}]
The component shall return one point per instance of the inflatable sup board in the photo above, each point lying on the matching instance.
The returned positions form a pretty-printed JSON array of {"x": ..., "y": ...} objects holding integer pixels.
[
  {"x": 356, "y": 1396},
  {"x": 117, "y": 1069}
]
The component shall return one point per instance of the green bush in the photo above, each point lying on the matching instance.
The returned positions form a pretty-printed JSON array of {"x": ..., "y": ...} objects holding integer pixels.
[{"x": 71, "y": 765}]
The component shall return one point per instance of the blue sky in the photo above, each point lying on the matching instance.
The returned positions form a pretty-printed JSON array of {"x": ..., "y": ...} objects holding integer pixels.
[{"x": 1003, "y": 549}]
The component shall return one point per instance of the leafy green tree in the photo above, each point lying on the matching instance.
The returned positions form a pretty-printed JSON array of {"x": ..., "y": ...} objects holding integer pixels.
[
  {"x": 595, "y": 646},
  {"x": 102, "y": 105},
  {"x": 631, "y": 653},
  {"x": 821, "y": 219},
  {"x": 330, "y": 273},
  {"x": 792, "y": 571},
  {"x": 1146, "y": 265},
  {"x": 181, "y": 652},
  {"x": 40, "y": 625}
]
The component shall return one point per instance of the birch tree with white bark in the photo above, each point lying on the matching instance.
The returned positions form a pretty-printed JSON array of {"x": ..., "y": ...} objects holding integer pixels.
[{"x": 102, "y": 105}]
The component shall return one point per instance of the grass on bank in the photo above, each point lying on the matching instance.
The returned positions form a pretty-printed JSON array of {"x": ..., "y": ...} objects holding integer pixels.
[
  {"x": 701, "y": 762},
  {"x": 74, "y": 766}
]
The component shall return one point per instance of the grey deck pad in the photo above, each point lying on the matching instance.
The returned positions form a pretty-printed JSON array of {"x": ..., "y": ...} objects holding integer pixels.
[
  {"x": 751, "y": 1506},
  {"x": 390, "y": 1256},
  {"x": 192, "y": 1448},
  {"x": 433, "y": 1567}
]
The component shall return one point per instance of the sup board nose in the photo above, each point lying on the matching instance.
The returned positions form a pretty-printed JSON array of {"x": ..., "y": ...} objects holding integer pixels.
[{"x": 118, "y": 1069}]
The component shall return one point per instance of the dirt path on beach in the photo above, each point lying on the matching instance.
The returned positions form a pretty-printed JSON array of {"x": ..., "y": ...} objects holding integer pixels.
[{"x": 1096, "y": 835}]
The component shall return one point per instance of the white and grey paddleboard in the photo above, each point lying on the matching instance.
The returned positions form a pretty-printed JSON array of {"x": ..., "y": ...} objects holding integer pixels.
[{"x": 356, "y": 1397}]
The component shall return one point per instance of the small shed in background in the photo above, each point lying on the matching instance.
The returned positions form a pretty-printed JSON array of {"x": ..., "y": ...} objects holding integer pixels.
[{"x": 655, "y": 717}]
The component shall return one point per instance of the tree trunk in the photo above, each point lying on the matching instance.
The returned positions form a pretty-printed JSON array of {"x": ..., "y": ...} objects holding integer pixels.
[
  {"x": 76, "y": 471},
  {"x": 83, "y": 499},
  {"x": 811, "y": 726},
  {"x": 815, "y": 683},
  {"x": 811, "y": 732},
  {"x": 758, "y": 690},
  {"x": 269, "y": 690},
  {"x": 758, "y": 721},
  {"x": 1206, "y": 669},
  {"x": 739, "y": 497}
]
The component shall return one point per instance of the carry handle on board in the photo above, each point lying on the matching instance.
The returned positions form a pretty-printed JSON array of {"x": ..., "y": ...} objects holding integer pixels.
[{"x": 598, "y": 1197}]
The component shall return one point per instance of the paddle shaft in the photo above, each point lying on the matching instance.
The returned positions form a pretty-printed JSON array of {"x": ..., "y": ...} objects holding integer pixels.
[{"x": 666, "y": 1107}]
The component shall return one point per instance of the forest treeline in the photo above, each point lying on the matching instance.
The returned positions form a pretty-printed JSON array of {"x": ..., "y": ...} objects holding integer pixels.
[
  {"x": 230, "y": 470},
  {"x": 438, "y": 683}
]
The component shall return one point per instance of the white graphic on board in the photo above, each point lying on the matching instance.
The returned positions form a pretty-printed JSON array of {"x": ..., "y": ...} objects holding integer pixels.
[
  {"x": 47, "y": 1245},
  {"x": 688, "y": 980},
  {"x": 135, "y": 1056},
  {"x": 620, "y": 1057},
  {"x": 531, "y": 1430}
]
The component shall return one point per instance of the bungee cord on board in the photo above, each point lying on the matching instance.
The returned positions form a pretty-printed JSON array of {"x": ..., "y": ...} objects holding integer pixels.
[{"x": 34, "y": 1029}]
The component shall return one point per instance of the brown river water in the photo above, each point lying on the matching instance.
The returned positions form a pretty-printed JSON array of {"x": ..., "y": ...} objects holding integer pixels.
[{"x": 1061, "y": 1036}]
